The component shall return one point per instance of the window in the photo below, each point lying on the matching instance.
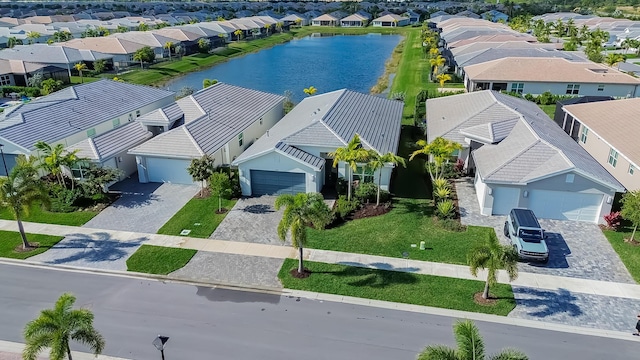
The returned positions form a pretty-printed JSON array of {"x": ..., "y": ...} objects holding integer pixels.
[
  {"x": 130, "y": 117},
  {"x": 573, "y": 89},
  {"x": 583, "y": 134},
  {"x": 116, "y": 122},
  {"x": 632, "y": 169},
  {"x": 240, "y": 139},
  {"x": 5, "y": 80},
  {"x": 569, "y": 179},
  {"x": 91, "y": 132},
  {"x": 363, "y": 173},
  {"x": 613, "y": 157},
  {"x": 517, "y": 88},
  {"x": 137, "y": 113},
  {"x": 79, "y": 169},
  {"x": 601, "y": 87}
]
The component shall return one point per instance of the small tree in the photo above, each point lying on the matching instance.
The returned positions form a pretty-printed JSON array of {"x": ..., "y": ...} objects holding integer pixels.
[
  {"x": 169, "y": 46},
  {"x": 442, "y": 78},
  {"x": 80, "y": 67},
  {"x": 440, "y": 149},
  {"x": 493, "y": 256},
  {"x": 144, "y": 54},
  {"x": 310, "y": 91},
  {"x": 377, "y": 162},
  {"x": 208, "y": 82},
  {"x": 204, "y": 45},
  {"x": 36, "y": 80},
  {"x": 143, "y": 27},
  {"x": 122, "y": 29},
  {"x": 238, "y": 33},
  {"x": 220, "y": 186},
  {"x": 99, "y": 66},
  {"x": 32, "y": 36},
  {"x": 352, "y": 155},
  {"x": 50, "y": 85},
  {"x": 631, "y": 209},
  {"x": 56, "y": 327},
  {"x": 201, "y": 170},
  {"x": 96, "y": 178}
]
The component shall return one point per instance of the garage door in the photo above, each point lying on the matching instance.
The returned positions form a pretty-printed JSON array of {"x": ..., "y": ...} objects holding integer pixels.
[
  {"x": 276, "y": 182},
  {"x": 562, "y": 205},
  {"x": 504, "y": 199},
  {"x": 168, "y": 170}
]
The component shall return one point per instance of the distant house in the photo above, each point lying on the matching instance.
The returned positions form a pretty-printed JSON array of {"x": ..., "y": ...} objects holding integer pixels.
[
  {"x": 121, "y": 50},
  {"x": 391, "y": 20},
  {"x": 221, "y": 120},
  {"x": 148, "y": 38},
  {"x": 495, "y": 16},
  {"x": 359, "y": 19},
  {"x": 438, "y": 14},
  {"x": 294, "y": 19},
  {"x": 325, "y": 20},
  {"x": 414, "y": 17},
  {"x": 469, "y": 14},
  {"x": 607, "y": 130}
]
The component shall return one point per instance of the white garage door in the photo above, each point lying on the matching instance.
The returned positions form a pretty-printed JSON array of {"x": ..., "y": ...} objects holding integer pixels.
[
  {"x": 504, "y": 199},
  {"x": 168, "y": 170},
  {"x": 563, "y": 205}
]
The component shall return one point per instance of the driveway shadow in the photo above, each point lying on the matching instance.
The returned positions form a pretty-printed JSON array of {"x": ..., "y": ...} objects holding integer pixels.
[
  {"x": 96, "y": 247},
  {"x": 544, "y": 303},
  {"x": 558, "y": 252},
  {"x": 135, "y": 200},
  {"x": 373, "y": 278},
  {"x": 259, "y": 209}
]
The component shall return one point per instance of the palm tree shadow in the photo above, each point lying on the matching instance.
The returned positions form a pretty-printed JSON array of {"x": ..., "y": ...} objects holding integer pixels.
[
  {"x": 544, "y": 303},
  {"x": 374, "y": 275},
  {"x": 96, "y": 247}
]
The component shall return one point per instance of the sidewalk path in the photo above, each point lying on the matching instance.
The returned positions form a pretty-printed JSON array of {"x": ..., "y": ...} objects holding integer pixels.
[{"x": 13, "y": 351}]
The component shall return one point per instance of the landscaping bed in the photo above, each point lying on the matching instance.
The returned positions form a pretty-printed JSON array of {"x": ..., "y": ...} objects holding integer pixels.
[
  {"x": 159, "y": 259},
  {"x": 200, "y": 215},
  {"x": 12, "y": 240},
  {"x": 426, "y": 290}
]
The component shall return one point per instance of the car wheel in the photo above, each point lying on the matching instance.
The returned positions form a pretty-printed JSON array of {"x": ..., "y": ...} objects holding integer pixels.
[
  {"x": 506, "y": 229},
  {"x": 546, "y": 260}
]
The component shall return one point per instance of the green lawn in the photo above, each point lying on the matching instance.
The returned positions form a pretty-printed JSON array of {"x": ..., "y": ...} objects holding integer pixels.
[
  {"x": 199, "y": 216},
  {"x": 9, "y": 240},
  {"x": 628, "y": 253},
  {"x": 38, "y": 215},
  {"x": 549, "y": 110},
  {"x": 75, "y": 80},
  {"x": 393, "y": 233},
  {"x": 396, "y": 286},
  {"x": 159, "y": 259}
]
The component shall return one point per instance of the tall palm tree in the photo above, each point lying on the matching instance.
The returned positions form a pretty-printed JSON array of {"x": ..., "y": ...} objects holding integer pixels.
[
  {"x": 378, "y": 161},
  {"x": 310, "y": 91},
  {"x": 493, "y": 256},
  {"x": 352, "y": 155},
  {"x": 438, "y": 151},
  {"x": 32, "y": 36},
  {"x": 443, "y": 78},
  {"x": 238, "y": 34},
  {"x": 56, "y": 327},
  {"x": 80, "y": 67},
  {"x": 470, "y": 347},
  {"x": 267, "y": 27},
  {"x": 613, "y": 59},
  {"x": 436, "y": 63},
  {"x": 169, "y": 46},
  {"x": 299, "y": 211},
  {"x": 13, "y": 41},
  {"x": 20, "y": 190},
  {"x": 53, "y": 158}
]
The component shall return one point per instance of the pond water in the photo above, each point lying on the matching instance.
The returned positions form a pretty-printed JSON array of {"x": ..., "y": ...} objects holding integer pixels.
[{"x": 328, "y": 63}]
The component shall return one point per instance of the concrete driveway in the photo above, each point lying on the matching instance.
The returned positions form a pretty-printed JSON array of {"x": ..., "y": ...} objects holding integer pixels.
[
  {"x": 251, "y": 220},
  {"x": 143, "y": 207},
  {"x": 577, "y": 249}
]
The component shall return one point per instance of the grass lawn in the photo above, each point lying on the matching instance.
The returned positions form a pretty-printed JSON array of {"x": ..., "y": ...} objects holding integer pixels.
[
  {"x": 38, "y": 215},
  {"x": 11, "y": 240},
  {"x": 159, "y": 259},
  {"x": 549, "y": 110},
  {"x": 628, "y": 253},
  {"x": 197, "y": 211},
  {"x": 396, "y": 286},
  {"x": 393, "y": 233},
  {"x": 75, "y": 80}
]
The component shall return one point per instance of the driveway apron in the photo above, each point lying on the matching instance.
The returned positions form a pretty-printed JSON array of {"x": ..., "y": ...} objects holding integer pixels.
[{"x": 251, "y": 220}]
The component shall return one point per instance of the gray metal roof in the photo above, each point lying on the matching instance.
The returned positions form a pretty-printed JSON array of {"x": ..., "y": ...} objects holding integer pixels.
[
  {"x": 315, "y": 134},
  {"x": 499, "y": 53},
  {"x": 312, "y": 160},
  {"x": 51, "y": 54},
  {"x": 111, "y": 143},
  {"x": 76, "y": 109}
]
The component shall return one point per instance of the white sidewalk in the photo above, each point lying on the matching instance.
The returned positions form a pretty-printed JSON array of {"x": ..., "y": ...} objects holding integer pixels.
[{"x": 13, "y": 351}]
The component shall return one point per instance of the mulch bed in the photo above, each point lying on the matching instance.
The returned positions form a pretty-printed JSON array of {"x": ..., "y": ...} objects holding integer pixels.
[
  {"x": 370, "y": 210},
  {"x": 221, "y": 211},
  {"x": 300, "y": 275},
  {"x": 478, "y": 299},
  {"x": 32, "y": 246},
  {"x": 633, "y": 242},
  {"x": 203, "y": 193}
]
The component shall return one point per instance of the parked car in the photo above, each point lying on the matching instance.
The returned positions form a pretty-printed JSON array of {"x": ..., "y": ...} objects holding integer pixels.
[{"x": 526, "y": 235}]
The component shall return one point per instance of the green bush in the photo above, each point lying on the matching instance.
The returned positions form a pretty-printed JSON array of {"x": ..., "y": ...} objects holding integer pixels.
[
  {"x": 345, "y": 207},
  {"x": 441, "y": 183},
  {"x": 447, "y": 171},
  {"x": 441, "y": 193},
  {"x": 341, "y": 186},
  {"x": 234, "y": 176},
  {"x": 368, "y": 192},
  {"x": 28, "y": 91},
  {"x": 445, "y": 209},
  {"x": 64, "y": 200}
]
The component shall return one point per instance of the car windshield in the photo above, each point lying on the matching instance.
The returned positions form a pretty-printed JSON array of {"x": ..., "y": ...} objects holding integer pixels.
[{"x": 530, "y": 235}]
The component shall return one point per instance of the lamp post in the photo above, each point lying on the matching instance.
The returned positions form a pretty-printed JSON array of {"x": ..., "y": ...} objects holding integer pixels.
[
  {"x": 4, "y": 162},
  {"x": 159, "y": 343}
]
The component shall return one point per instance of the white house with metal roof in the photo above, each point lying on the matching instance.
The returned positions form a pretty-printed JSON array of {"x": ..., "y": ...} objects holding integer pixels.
[
  {"x": 522, "y": 158},
  {"x": 221, "y": 120},
  {"x": 293, "y": 156}
]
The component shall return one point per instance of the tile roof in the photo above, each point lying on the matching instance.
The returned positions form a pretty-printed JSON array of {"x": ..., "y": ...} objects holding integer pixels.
[
  {"x": 615, "y": 121},
  {"x": 75, "y": 109},
  {"x": 312, "y": 160},
  {"x": 52, "y": 54},
  {"x": 146, "y": 38},
  {"x": 111, "y": 143},
  {"x": 315, "y": 134},
  {"x": 107, "y": 45},
  {"x": 547, "y": 70},
  {"x": 391, "y": 18}
]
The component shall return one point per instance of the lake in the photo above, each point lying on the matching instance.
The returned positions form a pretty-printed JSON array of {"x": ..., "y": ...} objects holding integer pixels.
[{"x": 328, "y": 63}]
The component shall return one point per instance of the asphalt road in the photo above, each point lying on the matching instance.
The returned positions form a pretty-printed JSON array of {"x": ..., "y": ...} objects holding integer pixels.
[{"x": 205, "y": 323}]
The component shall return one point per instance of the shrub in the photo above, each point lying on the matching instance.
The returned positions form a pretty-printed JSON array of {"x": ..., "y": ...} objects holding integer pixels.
[
  {"x": 368, "y": 192},
  {"x": 546, "y": 98},
  {"x": 442, "y": 193},
  {"x": 451, "y": 225},
  {"x": 459, "y": 166},
  {"x": 613, "y": 220},
  {"x": 440, "y": 183},
  {"x": 64, "y": 200},
  {"x": 341, "y": 186},
  {"x": 345, "y": 207},
  {"x": 445, "y": 209}
]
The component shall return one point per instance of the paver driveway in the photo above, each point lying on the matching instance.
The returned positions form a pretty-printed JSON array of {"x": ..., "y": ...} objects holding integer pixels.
[
  {"x": 251, "y": 220},
  {"x": 143, "y": 207},
  {"x": 577, "y": 249}
]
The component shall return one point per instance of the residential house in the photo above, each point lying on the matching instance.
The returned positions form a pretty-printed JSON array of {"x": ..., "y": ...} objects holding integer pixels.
[
  {"x": 187, "y": 39},
  {"x": 414, "y": 17},
  {"x": 221, "y": 121},
  {"x": 150, "y": 39},
  {"x": 295, "y": 19},
  {"x": 121, "y": 50},
  {"x": 521, "y": 158},
  {"x": 607, "y": 131},
  {"x": 566, "y": 121},
  {"x": 359, "y": 19},
  {"x": 75, "y": 114},
  {"x": 469, "y": 14},
  {"x": 294, "y": 155},
  {"x": 556, "y": 75},
  {"x": 495, "y": 16},
  {"x": 326, "y": 20},
  {"x": 390, "y": 20}
]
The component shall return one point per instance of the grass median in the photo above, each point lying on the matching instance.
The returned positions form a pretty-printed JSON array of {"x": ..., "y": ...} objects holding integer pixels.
[
  {"x": 198, "y": 215},
  {"x": 159, "y": 259},
  {"x": 397, "y": 286},
  {"x": 629, "y": 253},
  {"x": 11, "y": 240}
]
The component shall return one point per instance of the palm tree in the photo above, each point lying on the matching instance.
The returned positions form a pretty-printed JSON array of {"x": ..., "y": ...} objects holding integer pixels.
[
  {"x": 279, "y": 26},
  {"x": 440, "y": 149},
  {"x": 267, "y": 27},
  {"x": 143, "y": 27},
  {"x": 310, "y": 91},
  {"x": 470, "y": 347},
  {"x": 378, "y": 161},
  {"x": 53, "y": 158},
  {"x": 613, "y": 59},
  {"x": 20, "y": 190},
  {"x": 122, "y": 29},
  {"x": 13, "y": 41},
  {"x": 442, "y": 78},
  {"x": 169, "y": 46},
  {"x": 301, "y": 210},
  {"x": 54, "y": 328},
  {"x": 238, "y": 34},
  {"x": 32, "y": 36},
  {"x": 80, "y": 67},
  {"x": 352, "y": 154},
  {"x": 493, "y": 256},
  {"x": 436, "y": 63}
]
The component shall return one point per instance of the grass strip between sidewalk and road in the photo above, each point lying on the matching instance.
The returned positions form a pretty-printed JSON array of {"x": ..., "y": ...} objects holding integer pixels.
[
  {"x": 395, "y": 286},
  {"x": 199, "y": 216},
  {"x": 39, "y": 215},
  {"x": 628, "y": 253},
  {"x": 159, "y": 260},
  {"x": 10, "y": 240}
]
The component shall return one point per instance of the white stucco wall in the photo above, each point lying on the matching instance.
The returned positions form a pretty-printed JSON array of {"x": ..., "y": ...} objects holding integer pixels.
[
  {"x": 586, "y": 89},
  {"x": 276, "y": 162}
]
